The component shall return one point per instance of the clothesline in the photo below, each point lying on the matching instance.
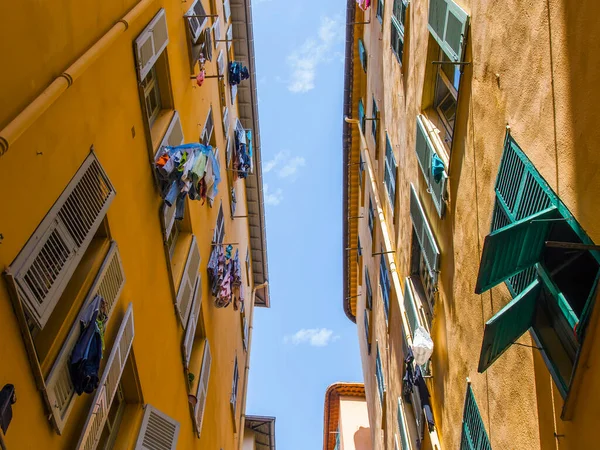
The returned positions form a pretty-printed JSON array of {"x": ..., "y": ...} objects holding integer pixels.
[{"x": 225, "y": 277}]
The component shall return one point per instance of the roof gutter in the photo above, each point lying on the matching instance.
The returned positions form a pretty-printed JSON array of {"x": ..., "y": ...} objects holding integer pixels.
[{"x": 347, "y": 146}]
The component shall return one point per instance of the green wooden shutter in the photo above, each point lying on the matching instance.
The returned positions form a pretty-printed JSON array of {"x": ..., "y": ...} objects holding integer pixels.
[
  {"x": 374, "y": 122},
  {"x": 362, "y": 54},
  {"x": 424, "y": 149},
  {"x": 508, "y": 325},
  {"x": 424, "y": 234},
  {"x": 474, "y": 436},
  {"x": 514, "y": 248},
  {"x": 448, "y": 24},
  {"x": 404, "y": 445},
  {"x": 379, "y": 375},
  {"x": 361, "y": 115},
  {"x": 367, "y": 336},
  {"x": 411, "y": 308}
]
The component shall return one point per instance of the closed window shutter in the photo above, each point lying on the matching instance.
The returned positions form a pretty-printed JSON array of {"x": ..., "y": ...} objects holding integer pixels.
[
  {"x": 192, "y": 324},
  {"x": 45, "y": 265},
  {"x": 219, "y": 233},
  {"x": 216, "y": 31},
  {"x": 234, "y": 387},
  {"x": 390, "y": 171},
  {"x": 425, "y": 150},
  {"x": 429, "y": 247},
  {"x": 191, "y": 273},
  {"x": 202, "y": 393},
  {"x": 174, "y": 135},
  {"x": 226, "y": 10},
  {"x": 226, "y": 121},
  {"x": 448, "y": 24},
  {"x": 385, "y": 285},
  {"x": 508, "y": 325},
  {"x": 158, "y": 431},
  {"x": 410, "y": 306},
  {"x": 150, "y": 43},
  {"x": 362, "y": 54},
  {"x": 402, "y": 427},
  {"x": 229, "y": 36},
  {"x": 473, "y": 436},
  {"x": 367, "y": 334},
  {"x": 108, "y": 284},
  {"x": 208, "y": 128},
  {"x": 514, "y": 248},
  {"x": 109, "y": 383}
]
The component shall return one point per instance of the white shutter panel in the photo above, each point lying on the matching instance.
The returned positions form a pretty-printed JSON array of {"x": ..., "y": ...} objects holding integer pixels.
[
  {"x": 185, "y": 293},
  {"x": 226, "y": 10},
  {"x": 44, "y": 266},
  {"x": 424, "y": 234},
  {"x": 174, "y": 135},
  {"x": 196, "y": 24},
  {"x": 192, "y": 324},
  {"x": 229, "y": 37},
  {"x": 226, "y": 121},
  {"x": 108, "y": 284},
  {"x": 221, "y": 63},
  {"x": 216, "y": 31},
  {"x": 168, "y": 215},
  {"x": 233, "y": 93},
  {"x": 158, "y": 431},
  {"x": 109, "y": 382},
  {"x": 150, "y": 43},
  {"x": 202, "y": 392}
]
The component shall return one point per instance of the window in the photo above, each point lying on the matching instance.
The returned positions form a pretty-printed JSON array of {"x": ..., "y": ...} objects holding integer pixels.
[
  {"x": 369, "y": 289},
  {"x": 553, "y": 287},
  {"x": 173, "y": 235},
  {"x": 367, "y": 332},
  {"x": 362, "y": 54},
  {"x": 226, "y": 10},
  {"x": 448, "y": 25},
  {"x": 245, "y": 332},
  {"x": 404, "y": 445},
  {"x": 431, "y": 164},
  {"x": 189, "y": 303},
  {"x": 384, "y": 280},
  {"x": 379, "y": 376},
  {"x": 361, "y": 170},
  {"x": 446, "y": 96},
  {"x": 473, "y": 436},
  {"x": 208, "y": 137},
  {"x": 361, "y": 115},
  {"x": 196, "y": 24},
  {"x": 424, "y": 236},
  {"x": 153, "y": 67},
  {"x": 380, "y": 8},
  {"x": 371, "y": 218},
  {"x": 113, "y": 421},
  {"x": 425, "y": 284},
  {"x": 248, "y": 266},
  {"x": 397, "y": 28},
  {"x": 157, "y": 430},
  {"x": 234, "y": 387},
  {"x": 219, "y": 233},
  {"x": 390, "y": 171},
  {"x": 374, "y": 121}
]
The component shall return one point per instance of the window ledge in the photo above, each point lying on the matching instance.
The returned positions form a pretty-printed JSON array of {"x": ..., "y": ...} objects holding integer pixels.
[{"x": 160, "y": 126}]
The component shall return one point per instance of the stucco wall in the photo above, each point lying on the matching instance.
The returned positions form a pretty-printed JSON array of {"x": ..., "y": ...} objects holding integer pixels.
[
  {"x": 532, "y": 67},
  {"x": 102, "y": 109},
  {"x": 354, "y": 424}
]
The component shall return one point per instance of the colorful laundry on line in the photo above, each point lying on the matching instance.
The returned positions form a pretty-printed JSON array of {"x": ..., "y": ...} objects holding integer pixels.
[{"x": 225, "y": 277}]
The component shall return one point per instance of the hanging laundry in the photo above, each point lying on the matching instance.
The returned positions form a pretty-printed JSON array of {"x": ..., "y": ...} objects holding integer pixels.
[
  {"x": 225, "y": 277},
  {"x": 84, "y": 363},
  {"x": 200, "y": 77},
  {"x": 437, "y": 168},
  {"x": 242, "y": 157},
  {"x": 237, "y": 73},
  {"x": 363, "y": 4}
]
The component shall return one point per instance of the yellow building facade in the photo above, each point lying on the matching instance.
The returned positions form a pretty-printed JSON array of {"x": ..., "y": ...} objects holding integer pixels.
[
  {"x": 469, "y": 185},
  {"x": 85, "y": 120}
]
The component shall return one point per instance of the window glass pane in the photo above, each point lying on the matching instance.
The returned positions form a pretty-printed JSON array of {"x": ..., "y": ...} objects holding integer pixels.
[{"x": 452, "y": 71}]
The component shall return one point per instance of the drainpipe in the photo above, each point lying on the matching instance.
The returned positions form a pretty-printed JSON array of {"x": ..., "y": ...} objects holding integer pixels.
[
  {"x": 65, "y": 80},
  {"x": 247, "y": 368}
]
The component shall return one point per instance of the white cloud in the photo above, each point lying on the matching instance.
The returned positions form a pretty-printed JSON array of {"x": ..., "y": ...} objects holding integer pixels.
[
  {"x": 273, "y": 198},
  {"x": 304, "y": 61},
  {"x": 317, "y": 337},
  {"x": 286, "y": 165}
]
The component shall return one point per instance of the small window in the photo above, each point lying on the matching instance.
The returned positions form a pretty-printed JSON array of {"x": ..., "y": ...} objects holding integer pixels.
[
  {"x": 384, "y": 280},
  {"x": 397, "y": 28},
  {"x": 390, "y": 172},
  {"x": 380, "y": 8},
  {"x": 196, "y": 24},
  {"x": 374, "y": 121},
  {"x": 362, "y": 54},
  {"x": 361, "y": 115},
  {"x": 371, "y": 218},
  {"x": 379, "y": 376},
  {"x": 208, "y": 136},
  {"x": 234, "y": 387}
]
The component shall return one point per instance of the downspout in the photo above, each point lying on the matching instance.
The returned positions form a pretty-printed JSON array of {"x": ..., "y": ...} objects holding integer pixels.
[
  {"x": 347, "y": 146},
  {"x": 65, "y": 80},
  {"x": 247, "y": 368},
  {"x": 390, "y": 254}
]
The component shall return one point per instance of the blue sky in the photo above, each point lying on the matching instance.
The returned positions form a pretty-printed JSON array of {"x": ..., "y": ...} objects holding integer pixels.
[{"x": 304, "y": 342}]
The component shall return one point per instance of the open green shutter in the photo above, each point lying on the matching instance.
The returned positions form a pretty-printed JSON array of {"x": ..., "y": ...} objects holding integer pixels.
[
  {"x": 361, "y": 115},
  {"x": 514, "y": 248},
  {"x": 425, "y": 151},
  {"x": 362, "y": 54},
  {"x": 508, "y": 325},
  {"x": 448, "y": 24}
]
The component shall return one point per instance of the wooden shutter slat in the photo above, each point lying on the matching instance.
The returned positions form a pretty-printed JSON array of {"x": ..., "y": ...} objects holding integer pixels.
[
  {"x": 429, "y": 247},
  {"x": 202, "y": 392},
  {"x": 514, "y": 248},
  {"x": 188, "y": 281},
  {"x": 158, "y": 431},
  {"x": 448, "y": 24},
  {"x": 192, "y": 324},
  {"x": 45, "y": 264},
  {"x": 109, "y": 382},
  {"x": 151, "y": 42},
  {"x": 473, "y": 436}
]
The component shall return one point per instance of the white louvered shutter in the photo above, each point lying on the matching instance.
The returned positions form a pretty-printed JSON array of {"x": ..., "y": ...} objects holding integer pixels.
[
  {"x": 158, "y": 431},
  {"x": 45, "y": 265},
  {"x": 196, "y": 24},
  {"x": 219, "y": 233},
  {"x": 226, "y": 10},
  {"x": 174, "y": 135},
  {"x": 185, "y": 293},
  {"x": 109, "y": 383},
  {"x": 150, "y": 43},
  {"x": 216, "y": 31},
  {"x": 233, "y": 93},
  {"x": 202, "y": 392},
  {"x": 424, "y": 234},
  {"x": 221, "y": 63},
  {"x": 108, "y": 284},
  {"x": 192, "y": 324},
  {"x": 226, "y": 121},
  {"x": 229, "y": 37}
]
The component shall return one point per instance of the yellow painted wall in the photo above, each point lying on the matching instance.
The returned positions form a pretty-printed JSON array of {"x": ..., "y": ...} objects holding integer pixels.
[
  {"x": 544, "y": 54},
  {"x": 102, "y": 108}
]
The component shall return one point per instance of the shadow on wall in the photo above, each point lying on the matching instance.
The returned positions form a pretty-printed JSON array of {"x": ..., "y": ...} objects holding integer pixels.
[{"x": 362, "y": 439}]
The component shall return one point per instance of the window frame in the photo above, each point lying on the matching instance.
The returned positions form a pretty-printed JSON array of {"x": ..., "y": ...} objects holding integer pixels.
[
  {"x": 379, "y": 376},
  {"x": 371, "y": 218},
  {"x": 391, "y": 170},
  {"x": 380, "y": 11},
  {"x": 386, "y": 286}
]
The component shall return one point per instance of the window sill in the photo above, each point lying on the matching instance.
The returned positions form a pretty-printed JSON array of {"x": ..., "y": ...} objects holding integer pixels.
[{"x": 159, "y": 127}]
